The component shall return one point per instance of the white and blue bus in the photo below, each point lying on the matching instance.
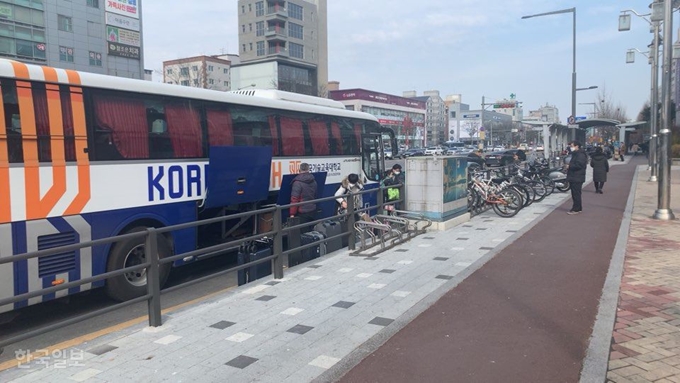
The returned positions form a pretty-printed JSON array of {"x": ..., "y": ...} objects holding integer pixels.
[{"x": 86, "y": 156}]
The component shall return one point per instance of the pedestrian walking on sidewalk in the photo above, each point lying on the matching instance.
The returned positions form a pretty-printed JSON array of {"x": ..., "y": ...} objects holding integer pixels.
[
  {"x": 600, "y": 165},
  {"x": 622, "y": 151},
  {"x": 634, "y": 149},
  {"x": 303, "y": 189},
  {"x": 576, "y": 176}
]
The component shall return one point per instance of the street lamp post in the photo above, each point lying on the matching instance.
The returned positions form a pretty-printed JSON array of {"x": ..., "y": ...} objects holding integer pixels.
[
  {"x": 573, "y": 73},
  {"x": 663, "y": 211},
  {"x": 653, "y": 55}
]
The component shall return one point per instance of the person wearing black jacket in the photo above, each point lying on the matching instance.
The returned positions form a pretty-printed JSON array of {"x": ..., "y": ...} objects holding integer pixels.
[
  {"x": 303, "y": 189},
  {"x": 600, "y": 165},
  {"x": 576, "y": 175}
]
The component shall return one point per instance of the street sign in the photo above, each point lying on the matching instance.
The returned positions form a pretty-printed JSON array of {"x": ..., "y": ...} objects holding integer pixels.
[
  {"x": 571, "y": 120},
  {"x": 580, "y": 118},
  {"x": 572, "y": 126}
]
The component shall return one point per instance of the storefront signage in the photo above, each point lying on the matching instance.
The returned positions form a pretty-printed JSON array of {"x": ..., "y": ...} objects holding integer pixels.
[
  {"x": 122, "y": 36},
  {"x": 116, "y": 49},
  {"x": 122, "y": 21},
  {"x": 123, "y": 7}
]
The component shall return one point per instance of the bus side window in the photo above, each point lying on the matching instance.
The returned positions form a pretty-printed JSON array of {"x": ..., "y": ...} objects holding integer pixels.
[
  {"x": 184, "y": 129},
  {"x": 318, "y": 134},
  {"x": 336, "y": 139},
  {"x": 12, "y": 122},
  {"x": 126, "y": 120},
  {"x": 67, "y": 117},
  {"x": 160, "y": 145},
  {"x": 292, "y": 136}
]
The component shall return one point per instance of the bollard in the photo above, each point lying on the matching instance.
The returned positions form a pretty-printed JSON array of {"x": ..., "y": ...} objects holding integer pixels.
[
  {"x": 277, "y": 263},
  {"x": 153, "y": 283},
  {"x": 351, "y": 243}
]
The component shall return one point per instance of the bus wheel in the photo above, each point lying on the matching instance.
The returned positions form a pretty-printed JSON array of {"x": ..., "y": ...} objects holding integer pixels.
[{"x": 130, "y": 253}]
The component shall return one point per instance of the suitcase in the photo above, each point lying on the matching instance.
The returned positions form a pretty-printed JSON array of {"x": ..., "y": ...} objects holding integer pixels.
[
  {"x": 309, "y": 253},
  {"x": 252, "y": 251},
  {"x": 330, "y": 229}
]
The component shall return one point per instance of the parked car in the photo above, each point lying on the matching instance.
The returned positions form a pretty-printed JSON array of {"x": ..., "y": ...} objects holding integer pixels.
[
  {"x": 474, "y": 158},
  {"x": 413, "y": 152},
  {"x": 503, "y": 158},
  {"x": 434, "y": 150}
]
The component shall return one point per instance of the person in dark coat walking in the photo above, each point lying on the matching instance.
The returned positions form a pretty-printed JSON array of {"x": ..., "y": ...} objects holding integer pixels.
[
  {"x": 600, "y": 165},
  {"x": 576, "y": 175},
  {"x": 303, "y": 189}
]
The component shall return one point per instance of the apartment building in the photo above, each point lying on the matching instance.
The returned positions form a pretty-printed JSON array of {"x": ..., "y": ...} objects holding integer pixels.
[
  {"x": 207, "y": 72},
  {"x": 283, "y": 45}
]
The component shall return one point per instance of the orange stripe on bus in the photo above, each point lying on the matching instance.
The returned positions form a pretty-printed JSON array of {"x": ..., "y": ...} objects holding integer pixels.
[
  {"x": 73, "y": 77},
  {"x": 5, "y": 198},
  {"x": 83, "y": 197},
  {"x": 37, "y": 207},
  {"x": 55, "y": 117},
  {"x": 20, "y": 70}
]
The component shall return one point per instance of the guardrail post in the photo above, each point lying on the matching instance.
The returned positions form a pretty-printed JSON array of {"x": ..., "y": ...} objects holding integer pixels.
[
  {"x": 352, "y": 242},
  {"x": 380, "y": 198},
  {"x": 153, "y": 282},
  {"x": 277, "y": 263}
]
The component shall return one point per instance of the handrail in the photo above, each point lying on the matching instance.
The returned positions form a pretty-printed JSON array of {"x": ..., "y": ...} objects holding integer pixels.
[{"x": 153, "y": 263}]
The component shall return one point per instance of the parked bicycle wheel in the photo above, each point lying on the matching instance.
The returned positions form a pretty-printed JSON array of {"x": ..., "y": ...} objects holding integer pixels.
[
  {"x": 507, "y": 203},
  {"x": 549, "y": 185},
  {"x": 539, "y": 188},
  {"x": 526, "y": 192}
]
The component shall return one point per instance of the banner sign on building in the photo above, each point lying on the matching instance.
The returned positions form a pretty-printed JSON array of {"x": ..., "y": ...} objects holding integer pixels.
[
  {"x": 5, "y": 11},
  {"x": 122, "y": 36},
  {"x": 120, "y": 50},
  {"x": 123, "y": 7},
  {"x": 122, "y": 21}
]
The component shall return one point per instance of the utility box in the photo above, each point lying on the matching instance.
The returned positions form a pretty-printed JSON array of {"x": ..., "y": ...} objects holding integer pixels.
[{"x": 437, "y": 188}]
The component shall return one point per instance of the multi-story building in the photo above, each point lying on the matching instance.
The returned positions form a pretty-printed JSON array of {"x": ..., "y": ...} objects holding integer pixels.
[
  {"x": 283, "y": 45},
  {"x": 435, "y": 115},
  {"x": 405, "y": 116},
  {"x": 101, "y": 36},
  {"x": 455, "y": 107},
  {"x": 208, "y": 72},
  {"x": 546, "y": 113}
]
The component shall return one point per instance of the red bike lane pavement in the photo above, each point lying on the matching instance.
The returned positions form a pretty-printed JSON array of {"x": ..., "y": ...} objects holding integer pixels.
[{"x": 526, "y": 315}]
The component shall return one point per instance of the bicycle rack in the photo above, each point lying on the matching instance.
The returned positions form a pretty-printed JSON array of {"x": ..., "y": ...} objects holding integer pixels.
[{"x": 395, "y": 229}]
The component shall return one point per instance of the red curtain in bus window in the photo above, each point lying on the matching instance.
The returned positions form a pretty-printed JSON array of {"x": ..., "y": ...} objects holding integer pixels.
[
  {"x": 357, "y": 132},
  {"x": 275, "y": 135},
  {"x": 42, "y": 124},
  {"x": 220, "y": 130},
  {"x": 318, "y": 132},
  {"x": 184, "y": 127},
  {"x": 292, "y": 137},
  {"x": 126, "y": 119},
  {"x": 335, "y": 131},
  {"x": 69, "y": 135}
]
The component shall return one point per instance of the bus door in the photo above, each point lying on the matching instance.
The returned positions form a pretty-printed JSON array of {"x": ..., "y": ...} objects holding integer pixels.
[{"x": 373, "y": 162}]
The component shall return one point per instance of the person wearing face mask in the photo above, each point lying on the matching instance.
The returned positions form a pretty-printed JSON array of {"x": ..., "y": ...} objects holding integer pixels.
[
  {"x": 576, "y": 175},
  {"x": 350, "y": 185}
]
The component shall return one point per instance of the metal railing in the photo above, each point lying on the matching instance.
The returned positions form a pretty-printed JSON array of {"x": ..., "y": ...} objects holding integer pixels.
[{"x": 153, "y": 264}]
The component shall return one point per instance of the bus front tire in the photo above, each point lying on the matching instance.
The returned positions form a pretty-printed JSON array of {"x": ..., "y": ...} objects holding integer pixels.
[{"x": 128, "y": 253}]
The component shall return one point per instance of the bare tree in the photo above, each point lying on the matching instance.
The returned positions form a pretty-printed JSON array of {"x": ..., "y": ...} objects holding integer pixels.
[
  {"x": 471, "y": 128},
  {"x": 606, "y": 108}
]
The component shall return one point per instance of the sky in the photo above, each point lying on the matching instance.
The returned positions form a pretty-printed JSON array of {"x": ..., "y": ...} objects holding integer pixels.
[{"x": 468, "y": 47}]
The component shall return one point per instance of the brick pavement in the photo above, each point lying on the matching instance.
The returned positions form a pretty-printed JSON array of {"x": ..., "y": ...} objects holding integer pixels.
[{"x": 645, "y": 344}]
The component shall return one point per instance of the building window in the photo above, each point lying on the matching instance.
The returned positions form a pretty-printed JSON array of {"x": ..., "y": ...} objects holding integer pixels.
[
  {"x": 168, "y": 71},
  {"x": 66, "y": 54},
  {"x": 194, "y": 68},
  {"x": 184, "y": 71},
  {"x": 195, "y": 82},
  {"x": 294, "y": 11},
  {"x": 210, "y": 68},
  {"x": 185, "y": 82},
  {"x": 250, "y": 7},
  {"x": 259, "y": 28},
  {"x": 295, "y": 30},
  {"x": 251, "y": 46},
  {"x": 243, "y": 9},
  {"x": 259, "y": 8},
  {"x": 65, "y": 23},
  {"x": 250, "y": 27},
  {"x": 226, "y": 83},
  {"x": 244, "y": 47},
  {"x": 243, "y": 28},
  {"x": 95, "y": 58},
  {"x": 226, "y": 71},
  {"x": 211, "y": 81},
  {"x": 93, "y": 3},
  {"x": 296, "y": 51},
  {"x": 260, "y": 48}
]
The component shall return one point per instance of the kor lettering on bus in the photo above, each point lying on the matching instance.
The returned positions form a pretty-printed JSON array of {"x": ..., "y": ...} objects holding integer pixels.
[{"x": 173, "y": 182}]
